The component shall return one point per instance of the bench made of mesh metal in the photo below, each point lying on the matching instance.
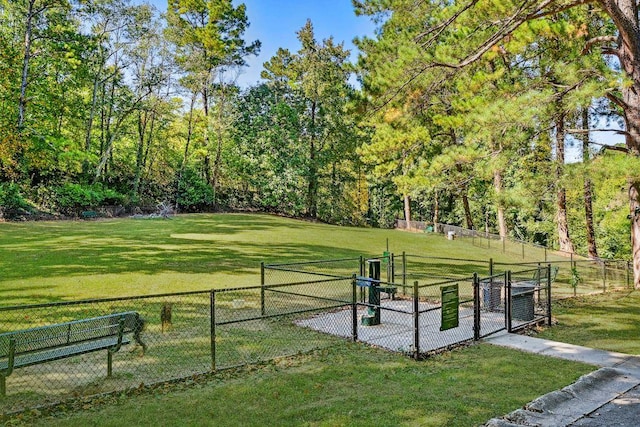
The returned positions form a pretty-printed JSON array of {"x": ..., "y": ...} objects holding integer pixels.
[
  {"x": 43, "y": 344},
  {"x": 540, "y": 277}
]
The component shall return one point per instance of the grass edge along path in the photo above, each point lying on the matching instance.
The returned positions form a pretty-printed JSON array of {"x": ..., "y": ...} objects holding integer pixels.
[
  {"x": 609, "y": 321},
  {"x": 350, "y": 384}
]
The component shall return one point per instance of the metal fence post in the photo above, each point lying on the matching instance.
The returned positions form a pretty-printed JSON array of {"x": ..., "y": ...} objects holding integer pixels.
[
  {"x": 416, "y": 322},
  {"x": 404, "y": 273},
  {"x": 354, "y": 309},
  {"x": 212, "y": 309},
  {"x": 476, "y": 307},
  {"x": 522, "y": 250},
  {"x": 604, "y": 276},
  {"x": 393, "y": 268},
  {"x": 574, "y": 267},
  {"x": 490, "y": 266},
  {"x": 262, "y": 309},
  {"x": 507, "y": 310},
  {"x": 549, "y": 294},
  {"x": 545, "y": 254}
]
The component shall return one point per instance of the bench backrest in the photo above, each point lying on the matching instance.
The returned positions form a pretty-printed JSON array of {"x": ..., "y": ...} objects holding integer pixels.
[
  {"x": 67, "y": 333},
  {"x": 541, "y": 274}
]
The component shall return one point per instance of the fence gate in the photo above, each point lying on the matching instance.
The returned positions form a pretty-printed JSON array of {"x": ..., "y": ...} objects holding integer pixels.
[{"x": 491, "y": 305}]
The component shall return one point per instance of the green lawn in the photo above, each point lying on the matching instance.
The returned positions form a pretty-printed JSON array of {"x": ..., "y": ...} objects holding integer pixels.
[
  {"x": 608, "y": 321},
  {"x": 54, "y": 261},
  {"x": 344, "y": 384},
  {"x": 347, "y": 385}
]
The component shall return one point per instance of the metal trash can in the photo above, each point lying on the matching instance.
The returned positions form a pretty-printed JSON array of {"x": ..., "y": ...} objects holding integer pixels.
[
  {"x": 491, "y": 294},
  {"x": 522, "y": 301}
]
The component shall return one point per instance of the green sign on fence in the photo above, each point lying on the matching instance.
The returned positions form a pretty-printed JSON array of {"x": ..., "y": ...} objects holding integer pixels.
[{"x": 450, "y": 300}]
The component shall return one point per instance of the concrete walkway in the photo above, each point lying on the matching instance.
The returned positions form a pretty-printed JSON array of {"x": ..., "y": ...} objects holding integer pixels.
[{"x": 606, "y": 397}]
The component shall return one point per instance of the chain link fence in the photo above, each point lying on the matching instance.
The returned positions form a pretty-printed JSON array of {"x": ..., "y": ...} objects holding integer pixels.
[
  {"x": 581, "y": 277},
  {"x": 298, "y": 308},
  {"x": 259, "y": 324},
  {"x": 176, "y": 334},
  {"x": 520, "y": 248}
]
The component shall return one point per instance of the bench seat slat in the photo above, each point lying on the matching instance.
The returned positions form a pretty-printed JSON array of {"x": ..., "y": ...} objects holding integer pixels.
[
  {"x": 63, "y": 352},
  {"x": 68, "y": 333}
]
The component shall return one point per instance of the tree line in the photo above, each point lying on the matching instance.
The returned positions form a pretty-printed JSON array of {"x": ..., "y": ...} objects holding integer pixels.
[{"x": 463, "y": 113}]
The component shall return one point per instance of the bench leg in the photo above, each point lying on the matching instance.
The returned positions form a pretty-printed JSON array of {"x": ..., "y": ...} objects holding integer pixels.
[
  {"x": 3, "y": 386},
  {"x": 109, "y": 360}
]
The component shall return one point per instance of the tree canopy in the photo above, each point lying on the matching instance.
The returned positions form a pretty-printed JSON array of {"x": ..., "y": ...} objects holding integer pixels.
[{"x": 463, "y": 113}]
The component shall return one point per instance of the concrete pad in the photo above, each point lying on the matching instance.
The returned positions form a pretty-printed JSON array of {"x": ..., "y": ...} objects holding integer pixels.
[{"x": 396, "y": 330}]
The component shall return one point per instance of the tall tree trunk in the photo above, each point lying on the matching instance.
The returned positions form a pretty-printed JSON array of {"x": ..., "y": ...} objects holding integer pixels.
[
  {"x": 312, "y": 189},
  {"x": 407, "y": 210},
  {"x": 185, "y": 156},
  {"x": 142, "y": 129},
  {"x": 625, "y": 16},
  {"x": 219, "y": 138},
  {"x": 28, "y": 38},
  {"x": 497, "y": 186},
  {"x": 463, "y": 188},
  {"x": 566, "y": 245},
  {"x": 436, "y": 211},
  {"x": 207, "y": 157},
  {"x": 588, "y": 195},
  {"x": 467, "y": 210}
]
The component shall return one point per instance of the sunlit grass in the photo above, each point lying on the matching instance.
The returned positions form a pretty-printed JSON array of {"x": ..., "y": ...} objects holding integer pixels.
[
  {"x": 53, "y": 261},
  {"x": 350, "y": 384},
  {"x": 608, "y": 321}
]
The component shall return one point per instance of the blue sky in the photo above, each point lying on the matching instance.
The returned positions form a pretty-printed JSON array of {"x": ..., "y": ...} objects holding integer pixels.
[{"x": 275, "y": 22}]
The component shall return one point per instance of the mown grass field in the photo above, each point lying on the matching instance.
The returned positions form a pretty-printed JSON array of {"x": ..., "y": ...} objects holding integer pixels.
[
  {"x": 348, "y": 385},
  {"x": 608, "y": 321},
  {"x": 55, "y": 261},
  {"x": 345, "y": 384}
]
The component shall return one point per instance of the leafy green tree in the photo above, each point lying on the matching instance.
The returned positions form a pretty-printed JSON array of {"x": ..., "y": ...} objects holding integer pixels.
[
  {"x": 318, "y": 77},
  {"x": 208, "y": 38}
]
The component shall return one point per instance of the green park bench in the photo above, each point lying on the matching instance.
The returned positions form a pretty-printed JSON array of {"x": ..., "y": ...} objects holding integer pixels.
[
  {"x": 89, "y": 214},
  {"x": 43, "y": 344}
]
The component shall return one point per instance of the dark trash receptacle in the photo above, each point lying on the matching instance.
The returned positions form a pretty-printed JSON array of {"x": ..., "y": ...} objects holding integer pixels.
[
  {"x": 522, "y": 301},
  {"x": 491, "y": 294}
]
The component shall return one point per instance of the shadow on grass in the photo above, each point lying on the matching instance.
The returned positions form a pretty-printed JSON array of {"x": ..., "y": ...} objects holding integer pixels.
[{"x": 188, "y": 245}]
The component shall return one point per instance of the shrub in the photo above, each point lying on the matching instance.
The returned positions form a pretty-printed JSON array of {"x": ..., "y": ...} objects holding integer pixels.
[
  {"x": 194, "y": 194},
  {"x": 71, "y": 199},
  {"x": 12, "y": 202}
]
